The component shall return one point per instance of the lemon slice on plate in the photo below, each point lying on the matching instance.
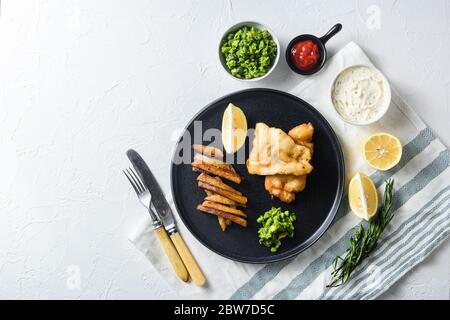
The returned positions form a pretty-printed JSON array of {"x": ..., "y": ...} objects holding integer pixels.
[
  {"x": 234, "y": 128},
  {"x": 382, "y": 151},
  {"x": 363, "y": 196}
]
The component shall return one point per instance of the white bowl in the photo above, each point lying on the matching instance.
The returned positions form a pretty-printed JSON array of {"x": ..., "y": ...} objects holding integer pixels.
[
  {"x": 384, "y": 108},
  {"x": 256, "y": 25}
]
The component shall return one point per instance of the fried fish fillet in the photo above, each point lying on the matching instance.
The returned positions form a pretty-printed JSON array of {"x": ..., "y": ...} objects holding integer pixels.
[
  {"x": 286, "y": 182},
  {"x": 302, "y": 133},
  {"x": 275, "y": 152},
  {"x": 284, "y": 187}
]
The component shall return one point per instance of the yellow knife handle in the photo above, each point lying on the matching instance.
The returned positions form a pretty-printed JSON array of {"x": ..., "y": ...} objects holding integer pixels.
[
  {"x": 172, "y": 254},
  {"x": 189, "y": 261}
]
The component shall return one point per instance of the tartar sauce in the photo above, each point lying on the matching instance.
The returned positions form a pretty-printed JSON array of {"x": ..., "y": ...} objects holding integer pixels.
[{"x": 360, "y": 94}]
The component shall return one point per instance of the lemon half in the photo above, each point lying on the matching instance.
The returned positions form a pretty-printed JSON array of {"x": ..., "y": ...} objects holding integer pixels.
[
  {"x": 382, "y": 151},
  {"x": 363, "y": 196},
  {"x": 234, "y": 128}
]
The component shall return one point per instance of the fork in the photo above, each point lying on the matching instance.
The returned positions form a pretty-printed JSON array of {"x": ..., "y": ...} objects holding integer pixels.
[{"x": 145, "y": 198}]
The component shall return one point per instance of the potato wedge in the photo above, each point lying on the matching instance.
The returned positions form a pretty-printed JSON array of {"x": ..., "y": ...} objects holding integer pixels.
[
  {"x": 194, "y": 169},
  {"x": 200, "y": 158},
  {"x": 222, "y": 223},
  {"x": 223, "y": 200},
  {"x": 208, "y": 150},
  {"x": 209, "y": 193},
  {"x": 216, "y": 182},
  {"x": 221, "y": 207},
  {"x": 238, "y": 220},
  {"x": 230, "y": 195},
  {"x": 229, "y": 175}
]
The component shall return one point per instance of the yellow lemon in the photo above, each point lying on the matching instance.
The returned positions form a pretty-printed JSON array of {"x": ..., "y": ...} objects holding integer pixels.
[
  {"x": 234, "y": 128},
  {"x": 382, "y": 151},
  {"x": 363, "y": 196}
]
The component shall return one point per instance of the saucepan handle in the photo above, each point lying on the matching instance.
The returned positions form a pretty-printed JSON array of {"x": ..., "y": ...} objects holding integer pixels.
[{"x": 331, "y": 33}]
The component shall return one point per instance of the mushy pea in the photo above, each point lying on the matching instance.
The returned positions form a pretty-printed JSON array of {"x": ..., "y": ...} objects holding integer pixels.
[
  {"x": 275, "y": 225},
  {"x": 249, "y": 52}
]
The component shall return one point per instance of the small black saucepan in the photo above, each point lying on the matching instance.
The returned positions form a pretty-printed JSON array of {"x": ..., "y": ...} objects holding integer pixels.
[{"x": 321, "y": 46}]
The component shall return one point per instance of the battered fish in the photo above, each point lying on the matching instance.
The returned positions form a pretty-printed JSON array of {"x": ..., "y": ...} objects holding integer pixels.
[
  {"x": 275, "y": 152},
  {"x": 302, "y": 134},
  {"x": 284, "y": 187}
]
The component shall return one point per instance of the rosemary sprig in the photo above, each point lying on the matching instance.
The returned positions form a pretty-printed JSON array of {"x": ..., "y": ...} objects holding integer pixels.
[{"x": 363, "y": 241}]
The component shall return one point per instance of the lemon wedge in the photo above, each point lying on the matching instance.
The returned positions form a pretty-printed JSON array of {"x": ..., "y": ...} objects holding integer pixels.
[
  {"x": 234, "y": 128},
  {"x": 363, "y": 196},
  {"x": 382, "y": 151}
]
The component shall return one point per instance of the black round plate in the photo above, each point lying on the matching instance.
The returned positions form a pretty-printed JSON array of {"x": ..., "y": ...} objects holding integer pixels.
[{"x": 315, "y": 207}]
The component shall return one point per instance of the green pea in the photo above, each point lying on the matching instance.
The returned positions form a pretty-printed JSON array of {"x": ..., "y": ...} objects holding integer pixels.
[
  {"x": 252, "y": 50},
  {"x": 275, "y": 225}
]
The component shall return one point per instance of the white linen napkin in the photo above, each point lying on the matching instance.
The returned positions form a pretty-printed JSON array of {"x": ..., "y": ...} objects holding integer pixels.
[{"x": 421, "y": 221}]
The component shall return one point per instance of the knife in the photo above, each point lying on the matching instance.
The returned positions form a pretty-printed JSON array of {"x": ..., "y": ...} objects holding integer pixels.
[{"x": 162, "y": 208}]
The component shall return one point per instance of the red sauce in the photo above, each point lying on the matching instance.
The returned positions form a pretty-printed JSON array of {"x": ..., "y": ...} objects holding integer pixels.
[{"x": 305, "y": 55}]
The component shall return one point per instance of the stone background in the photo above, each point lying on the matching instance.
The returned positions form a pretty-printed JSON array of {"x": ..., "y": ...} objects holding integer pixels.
[{"x": 82, "y": 81}]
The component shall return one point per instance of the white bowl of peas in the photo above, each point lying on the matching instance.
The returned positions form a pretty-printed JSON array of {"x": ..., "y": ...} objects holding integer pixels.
[{"x": 249, "y": 51}]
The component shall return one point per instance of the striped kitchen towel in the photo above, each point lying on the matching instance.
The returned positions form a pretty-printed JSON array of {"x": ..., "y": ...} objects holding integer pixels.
[{"x": 421, "y": 222}]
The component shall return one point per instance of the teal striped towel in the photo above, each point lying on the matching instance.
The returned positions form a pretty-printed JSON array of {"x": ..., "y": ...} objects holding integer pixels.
[{"x": 421, "y": 222}]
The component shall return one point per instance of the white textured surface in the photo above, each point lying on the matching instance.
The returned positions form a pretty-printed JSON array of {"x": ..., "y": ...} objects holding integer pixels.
[{"x": 82, "y": 81}]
